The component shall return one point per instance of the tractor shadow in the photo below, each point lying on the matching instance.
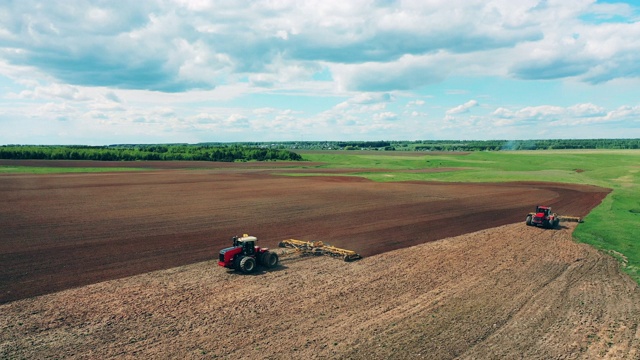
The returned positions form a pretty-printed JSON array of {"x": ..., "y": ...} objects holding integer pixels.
[
  {"x": 259, "y": 271},
  {"x": 556, "y": 228}
]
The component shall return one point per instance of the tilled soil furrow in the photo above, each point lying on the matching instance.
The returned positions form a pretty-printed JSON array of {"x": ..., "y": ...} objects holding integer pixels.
[{"x": 508, "y": 292}]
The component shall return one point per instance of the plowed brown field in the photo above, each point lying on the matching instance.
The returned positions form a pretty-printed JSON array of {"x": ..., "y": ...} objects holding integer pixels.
[{"x": 507, "y": 291}]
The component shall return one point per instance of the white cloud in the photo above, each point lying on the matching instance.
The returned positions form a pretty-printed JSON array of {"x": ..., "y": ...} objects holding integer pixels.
[
  {"x": 330, "y": 67},
  {"x": 572, "y": 115},
  {"x": 56, "y": 111},
  {"x": 503, "y": 113},
  {"x": 237, "y": 120},
  {"x": 55, "y": 91},
  {"x": 408, "y": 72},
  {"x": 371, "y": 98},
  {"x": 368, "y": 45},
  {"x": 624, "y": 113},
  {"x": 111, "y": 96},
  {"x": 265, "y": 111},
  {"x": 385, "y": 116},
  {"x": 460, "y": 109},
  {"x": 587, "y": 110}
]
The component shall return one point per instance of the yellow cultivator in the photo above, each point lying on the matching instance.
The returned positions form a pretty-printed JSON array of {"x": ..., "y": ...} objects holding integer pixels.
[
  {"x": 319, "y": 248},
  {"x": 570, "y": 218}
]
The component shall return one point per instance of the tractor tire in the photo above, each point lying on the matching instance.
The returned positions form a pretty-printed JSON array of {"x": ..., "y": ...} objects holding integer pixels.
[
  {"x": 262, "y": 258},
  {"x": 269, "y": 259},
  {"x": 247, "y": 264},
  {"x": 236, "y": 262},
  {"x": 528, "y": 221}
]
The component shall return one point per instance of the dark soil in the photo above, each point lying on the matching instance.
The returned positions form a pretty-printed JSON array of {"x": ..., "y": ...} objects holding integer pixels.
[{"x": 68, "y": 230}]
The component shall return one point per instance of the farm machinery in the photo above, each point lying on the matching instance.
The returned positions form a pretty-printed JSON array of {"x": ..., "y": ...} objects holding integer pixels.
[
  {"x": 319, "y": 248},
  {"x": 544, "y": 217},
  {"x": 245, "y": 256}
]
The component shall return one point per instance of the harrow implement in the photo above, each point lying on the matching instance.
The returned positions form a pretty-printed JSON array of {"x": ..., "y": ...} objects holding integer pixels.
[
  {"x": 570, "y": 218},
  {"x": 319, "y": 248}
]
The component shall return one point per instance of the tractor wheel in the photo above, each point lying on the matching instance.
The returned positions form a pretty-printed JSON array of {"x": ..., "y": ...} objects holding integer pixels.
[
  {"x": 528, "y": 221},
  {"x": 262, "y": 258},
  {"x": 247, "y": 264},
  {"x": 269, "y": 259},
  {"x": 556, "y": 223},
  {"x": 236, "y": 262}
]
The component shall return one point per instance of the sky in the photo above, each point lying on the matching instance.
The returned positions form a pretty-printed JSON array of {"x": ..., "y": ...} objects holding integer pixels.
[{"x": 191, "y": 71}]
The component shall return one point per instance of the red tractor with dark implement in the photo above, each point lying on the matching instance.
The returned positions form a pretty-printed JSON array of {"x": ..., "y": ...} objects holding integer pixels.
[
  {"x": 543, "y": 217},
  {"x": 245, "y": 256}
]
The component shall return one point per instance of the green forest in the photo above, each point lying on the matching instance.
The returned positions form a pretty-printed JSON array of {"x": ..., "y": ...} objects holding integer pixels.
[
  {"x": 285, "y": 151},
  {"x": 222, "y": 153}
]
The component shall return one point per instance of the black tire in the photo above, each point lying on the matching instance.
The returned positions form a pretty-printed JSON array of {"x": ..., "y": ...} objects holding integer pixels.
[
  {"x": 236, "y": 262},
  {"x": 247, "y": 264},
  {"x": 269, "y": 259},
  {"x": 262, "y": 258},
  {"x": 528, "y": 221}
]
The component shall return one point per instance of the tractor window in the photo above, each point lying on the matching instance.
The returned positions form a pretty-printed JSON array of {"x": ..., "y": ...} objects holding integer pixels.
[{"x": 249, "y": 248}]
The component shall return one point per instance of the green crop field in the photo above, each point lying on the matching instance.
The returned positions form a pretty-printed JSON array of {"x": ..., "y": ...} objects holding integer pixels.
[{"x": 612, "y": 227}]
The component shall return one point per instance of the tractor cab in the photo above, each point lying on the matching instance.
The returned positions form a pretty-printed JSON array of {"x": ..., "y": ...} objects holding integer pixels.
[
  {"x": 248, "y": 244},
  {"x": 544, "y": 210},
  {"x": 543, "y": 217}
]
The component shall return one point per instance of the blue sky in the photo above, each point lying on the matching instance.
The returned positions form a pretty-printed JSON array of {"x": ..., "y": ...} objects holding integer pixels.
[{"x": 107, "y": 72}]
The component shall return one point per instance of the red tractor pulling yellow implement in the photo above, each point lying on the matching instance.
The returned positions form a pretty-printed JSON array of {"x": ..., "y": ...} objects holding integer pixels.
[
  {"x": 245, "y": 256},
  {"x": 543, "y": 216}
]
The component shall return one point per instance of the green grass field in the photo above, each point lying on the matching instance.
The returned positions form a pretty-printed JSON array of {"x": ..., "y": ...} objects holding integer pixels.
[{"x": 612, "y": 227}]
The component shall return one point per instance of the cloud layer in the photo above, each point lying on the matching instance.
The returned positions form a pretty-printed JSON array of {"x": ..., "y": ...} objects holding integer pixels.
[
  {"x": 370, "y": 45},
  {"x": 117, "y": 61}
]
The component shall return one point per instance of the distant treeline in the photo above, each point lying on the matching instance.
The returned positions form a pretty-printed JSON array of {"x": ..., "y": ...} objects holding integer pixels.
[
  {"x": 257, "y": 151},
  {"x": 453, "y": 145},
  {"x": 221, "y": 153},
  {"x": 497, "y": 145},
  {"x": 363, "y": 144}
]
